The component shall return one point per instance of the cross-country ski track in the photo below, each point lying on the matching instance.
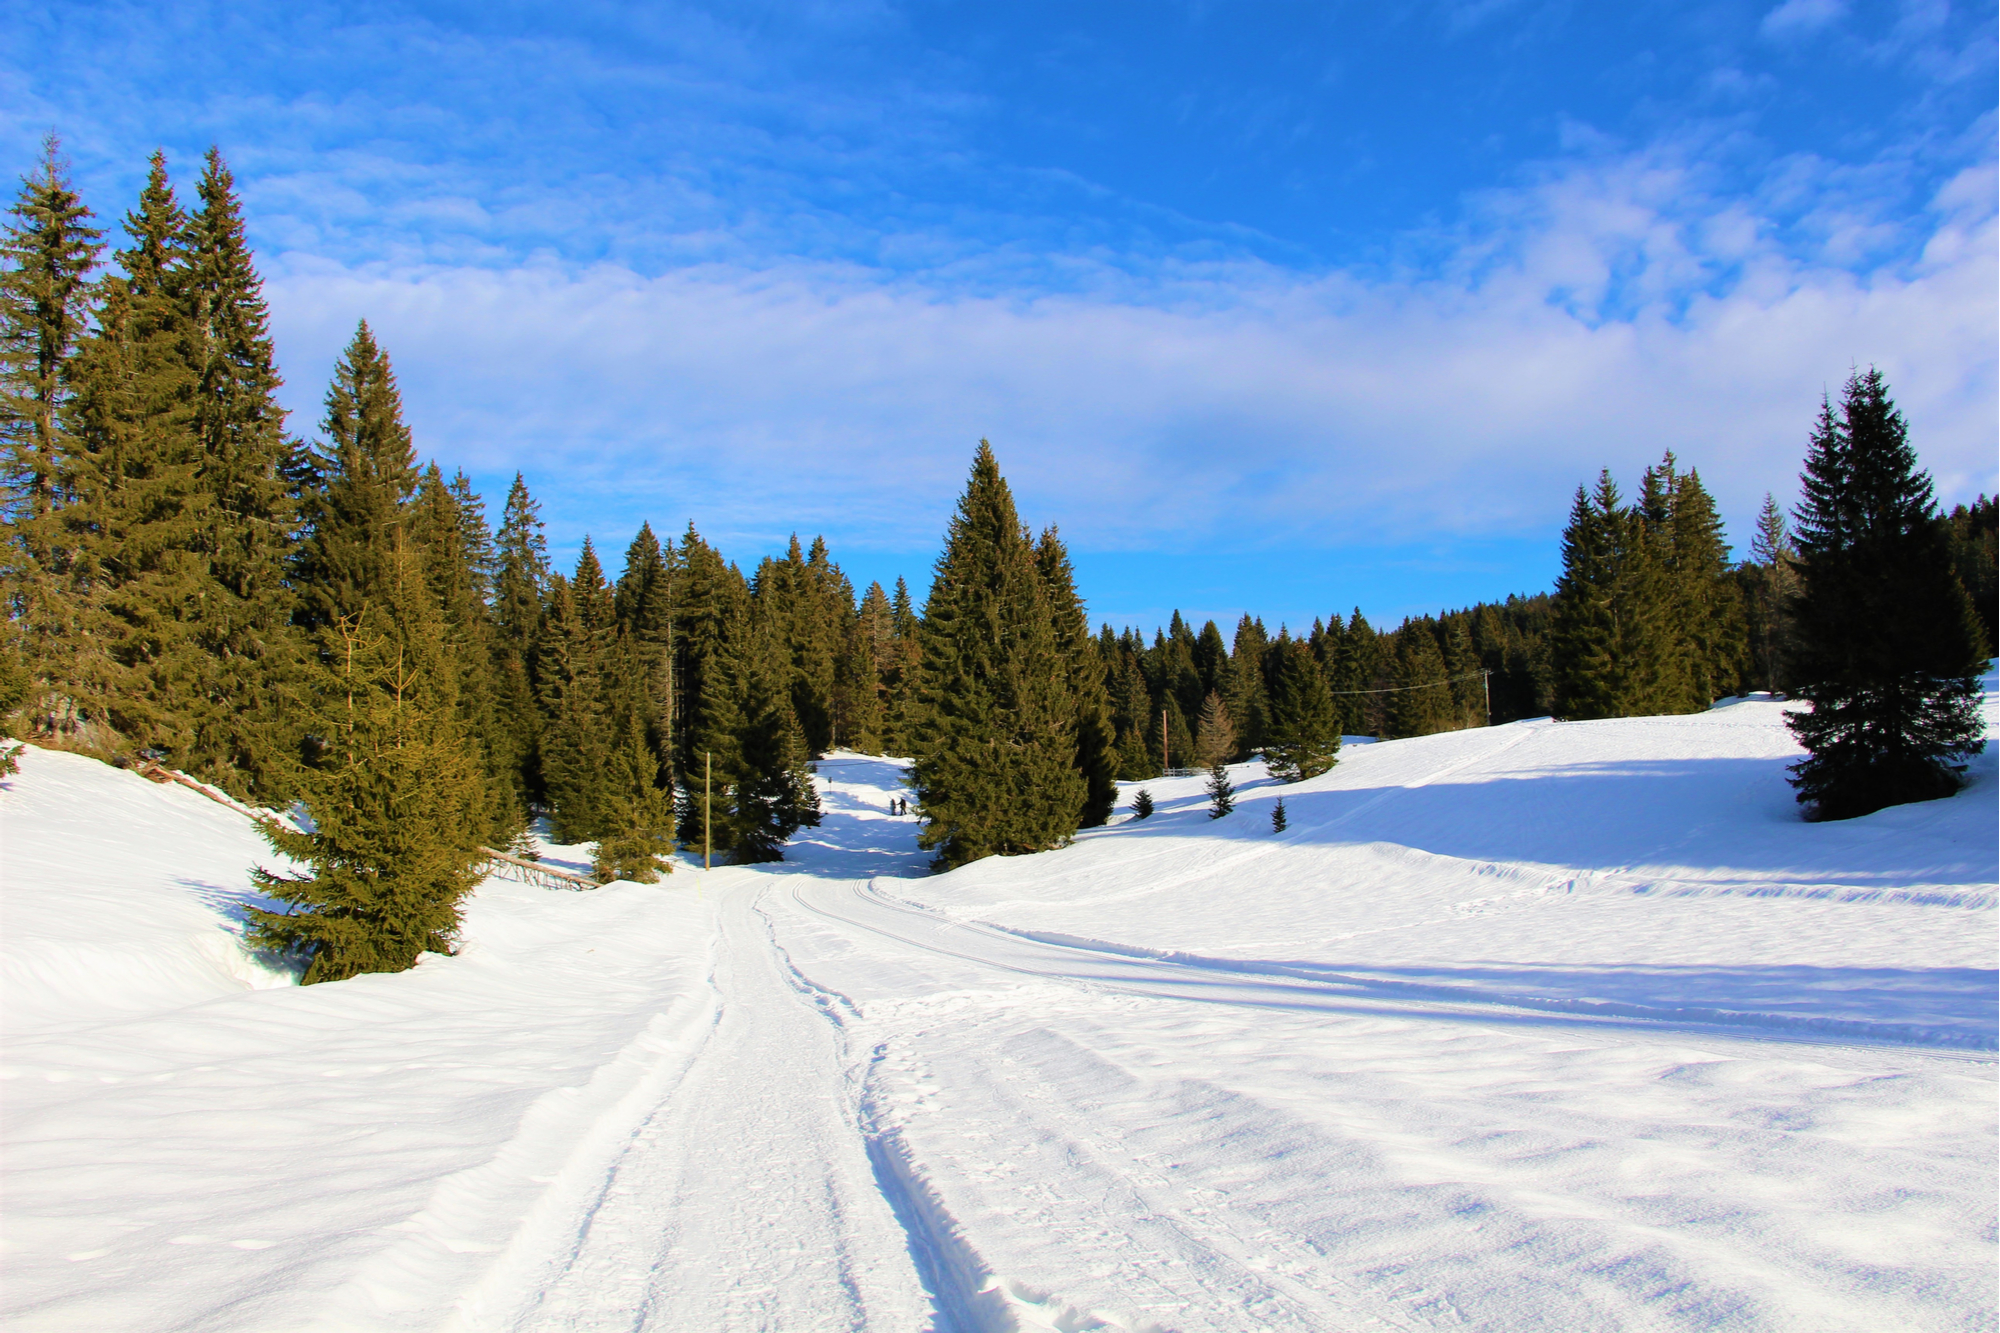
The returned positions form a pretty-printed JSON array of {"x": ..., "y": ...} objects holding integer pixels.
[{"x": 1543, "y": 1026}]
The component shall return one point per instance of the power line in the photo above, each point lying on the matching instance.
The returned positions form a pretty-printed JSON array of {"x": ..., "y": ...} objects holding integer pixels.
[{"x": 1397, "y": 689}]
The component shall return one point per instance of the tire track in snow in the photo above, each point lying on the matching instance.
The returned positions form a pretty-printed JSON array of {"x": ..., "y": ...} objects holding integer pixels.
[{"x": 741, "y": 1197}]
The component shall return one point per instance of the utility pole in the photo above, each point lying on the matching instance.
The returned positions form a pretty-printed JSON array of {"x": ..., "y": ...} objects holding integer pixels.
[
  {"x": 707, "y": 806},
  {"x": 1164, "y": 765},
  {"x": 1486, "y": 684}
]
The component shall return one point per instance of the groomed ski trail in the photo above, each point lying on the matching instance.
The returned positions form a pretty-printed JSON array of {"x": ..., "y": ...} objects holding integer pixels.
[{"x": 744, "y": 1200}]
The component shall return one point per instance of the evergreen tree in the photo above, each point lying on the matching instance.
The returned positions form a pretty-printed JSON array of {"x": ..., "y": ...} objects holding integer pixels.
[
  {"x": 1303, "y": 737},
  {"x": 394, "y": 795},
  {"x": 1278, "y": 816},
  {"x": 367, "y": 471},
  {"x": 521, "y": 576},
  {"x": 1245, "y": 696},
  {"x": 576, "y": 647},
  {"x": 1215, "y": 733},
  {"x": 48, "y": 251},
  {"x": 1583, "y": 635},
  {"x": 1422, "y": 704},
  {"x": 1142, "y": 804},
  {"x": 138, "y": 580},
  {"x": 241, "y": 734},
  {"x": 1096, "y": 735},
  {"x": 1888, "y": 644},
  {"x": 902, "y": 707},
  {"x": 1221, "y": 795},
  {"x": 1771, "y": 582},
  {"x": 1973, "y": 533},
  {"x": 995, "y": 754}
]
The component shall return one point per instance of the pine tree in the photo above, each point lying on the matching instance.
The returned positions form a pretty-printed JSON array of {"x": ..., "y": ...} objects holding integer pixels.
[
  {"x": 1215, "y": 733},
  {"x": 1583, "y": 636},
  {"x": 1245, "y": 695},
  {"x": 1096, "y": 735},
  {"x": 368, "y": 472},
  {"x": 1142, "y": 804},
  {"x": 1422, "y": 704},
  {"x": 1771, "y": 582},
  {"x": 1888, "y": 643},
  {"x": 1221, "y": 795},
  {"x": 394, "y": 795},
  {"x": 49, "y": 252},
  {"x": 1973, "y": 533},
  {"x": 902, "y": 708},
  {"x": 520, "y": 579},
  {"x": 138, "y": 505},
  {"x": 576, "y": 647},
  {"x": 995, "y": 754},
  {"x": 1303, "y": 737},
  {"x": 241, "y": 734},
  {"x": 1278, "y": 816}
]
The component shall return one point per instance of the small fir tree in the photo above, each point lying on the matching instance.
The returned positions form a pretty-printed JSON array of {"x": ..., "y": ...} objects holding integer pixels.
[
  {"x": 1278, "y": 816},
  {"x": 1142, "y": 804},
  {"x": 1221, "y": 794},
  {"x": 1303, "y": 737},
  {"x": 394, "y": 794}
]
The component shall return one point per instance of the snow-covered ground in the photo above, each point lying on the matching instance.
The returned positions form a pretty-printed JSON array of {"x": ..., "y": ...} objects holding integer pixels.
[{"x": 1546, "y": 1026}]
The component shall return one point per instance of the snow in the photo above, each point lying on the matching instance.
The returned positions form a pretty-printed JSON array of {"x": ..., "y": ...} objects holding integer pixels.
[{"x": 1544, "y": 1026}]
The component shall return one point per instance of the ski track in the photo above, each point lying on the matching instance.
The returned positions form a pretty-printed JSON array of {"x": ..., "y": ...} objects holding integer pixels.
[{"x": 858, "y": 1101}]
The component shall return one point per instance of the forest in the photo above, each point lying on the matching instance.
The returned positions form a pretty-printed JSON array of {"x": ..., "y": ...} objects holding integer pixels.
[{"x": 334, "y": 621}]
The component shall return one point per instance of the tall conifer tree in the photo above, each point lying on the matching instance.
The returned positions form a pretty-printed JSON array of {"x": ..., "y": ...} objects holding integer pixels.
[
  {"x": 996, "y": 745},
  {"x": 1889, "y": 647}
]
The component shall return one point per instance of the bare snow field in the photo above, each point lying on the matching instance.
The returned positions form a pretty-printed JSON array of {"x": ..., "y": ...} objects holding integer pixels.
[{"x": 1546, "y": 1026}]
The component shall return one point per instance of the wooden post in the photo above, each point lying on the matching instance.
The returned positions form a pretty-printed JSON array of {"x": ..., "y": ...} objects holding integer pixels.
[
  {"x": 1164, "y": 765},
  {"x": 1486, "y": 684},
  {"x": 707, "y": 806}
]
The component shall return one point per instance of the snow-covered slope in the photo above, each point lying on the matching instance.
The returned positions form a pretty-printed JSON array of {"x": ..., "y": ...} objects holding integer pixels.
[{"x": 1544, "y": 1026}]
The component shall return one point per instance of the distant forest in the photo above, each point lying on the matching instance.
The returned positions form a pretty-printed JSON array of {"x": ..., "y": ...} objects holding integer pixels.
[{"x": 189, "y": 584}]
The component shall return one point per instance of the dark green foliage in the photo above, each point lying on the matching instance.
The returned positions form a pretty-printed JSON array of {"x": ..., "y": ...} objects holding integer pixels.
[
  {"x": 1769, "y": 581},
  {"x": 1278, "y": 816},
  {"x": 1096, "y": 735},
  {"x": 571, "y": 667},
  {"x": 520, "y": 581},
  {"x": 1648, "y": 615},
  {"x": 1221, "y": 794},
  {"x": 49, "y": 249},
  {"x": 1974, "y": 536},
  {"x": 394, "y": 795},
  {"x": 1423, "y": 701},
  {"x": 1215, "y": 733},
  {"x": 1142, "y": 804},
  {"x": 996, "y": 745},
  {"x": 1302, "y": 739},
  {"x": 1888, "y": 646}
]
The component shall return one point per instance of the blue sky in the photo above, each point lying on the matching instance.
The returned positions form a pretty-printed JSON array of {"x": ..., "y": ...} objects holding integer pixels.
[{"x": 1271, "y": 307}]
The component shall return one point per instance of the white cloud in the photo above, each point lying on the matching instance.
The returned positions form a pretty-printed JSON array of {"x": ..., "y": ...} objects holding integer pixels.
[
  {"x": 1795, "y": 18},
  {"x": 1596, "y": 320}
]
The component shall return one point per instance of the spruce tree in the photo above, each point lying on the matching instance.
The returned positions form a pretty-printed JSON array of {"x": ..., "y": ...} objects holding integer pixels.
[
  {"x": 394, "y": 795},
  {"x": 1221, "y": 795},
  {"x": 47, "y": 254},
  {"x": 1096, "y": 735},
  {"x": 1245, "y": 696},
  {"x": 520, "y": 580},
  {"x": 1142, "y": 804},
  {"x": 1303, "y": 736},
  {"x": 1278, "y": 816},
  {"x": 1215, "y": 733},
  {"x": 1889, "y": 650},
  {"x": 572, "y": 668},
  {"x": 1583, "y": 634},
  {"x": 996, "y": 745},
  {"x": 241, "y": 733},
  {"x": 1422, "y": 704},
  {"x": 1771, "y": 581}
]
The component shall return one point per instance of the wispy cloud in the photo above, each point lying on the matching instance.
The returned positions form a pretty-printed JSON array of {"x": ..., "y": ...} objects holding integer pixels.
[{"x": 1796, "y": 17}]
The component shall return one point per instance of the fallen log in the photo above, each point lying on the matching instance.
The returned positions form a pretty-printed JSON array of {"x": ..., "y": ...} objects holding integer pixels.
[{"x": 534, "y": 872}]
